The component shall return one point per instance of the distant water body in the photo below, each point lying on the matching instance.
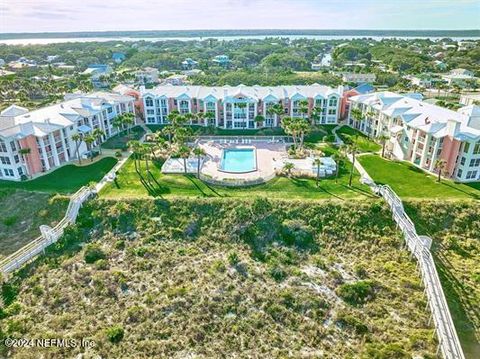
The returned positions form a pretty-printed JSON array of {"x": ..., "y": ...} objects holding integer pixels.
[{"x": 45, "y": 41}]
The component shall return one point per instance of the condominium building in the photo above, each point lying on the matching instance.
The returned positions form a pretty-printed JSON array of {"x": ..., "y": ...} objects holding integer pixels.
[
  {"x": 421, "y": 133},
  {"x": 237, "y": 107},
  {"x": 47, "y": 132}
]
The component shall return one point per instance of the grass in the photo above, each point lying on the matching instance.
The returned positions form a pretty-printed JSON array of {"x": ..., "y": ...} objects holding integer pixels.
[
  {"x": 351, "y": 135},
  {"x": 128, "y": 184},
  {"x": 22, "y": 213},
  {"x": 119, "y": 141},
  {"x": 410, "y": 182},
  {"x": 210, "y": 278},
  {"x": 454, "y": 228},
  {"x": 66, "y": 179}
]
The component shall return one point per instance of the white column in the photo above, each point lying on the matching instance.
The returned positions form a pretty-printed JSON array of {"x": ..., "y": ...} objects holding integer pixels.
[
  {"x": 434, "y": 155},
  {"x": 412, "y": 158},
  {"x": 51, "y": 139},
  {"x": 225, "y": 114},
  {"x": 216, "y": 114},
  {"x": 64, "y": 144},
  {"x": 44, "y": 154},
  {"x": 423, "y": 159}
]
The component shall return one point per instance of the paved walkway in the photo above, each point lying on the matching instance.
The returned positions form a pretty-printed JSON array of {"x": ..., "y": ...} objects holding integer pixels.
[{"x": 338, "y": 140}]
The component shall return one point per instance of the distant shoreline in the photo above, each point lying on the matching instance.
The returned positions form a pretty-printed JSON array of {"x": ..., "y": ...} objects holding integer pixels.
[{"x": 236, "y": 33}]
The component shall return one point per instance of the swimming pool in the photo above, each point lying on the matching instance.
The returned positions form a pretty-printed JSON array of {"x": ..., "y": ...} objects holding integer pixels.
[{"x": 238, "y": 160}]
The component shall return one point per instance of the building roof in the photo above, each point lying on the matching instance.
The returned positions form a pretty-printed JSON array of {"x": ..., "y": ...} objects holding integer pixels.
[
  {"x": 51, "y": 118},
  {"x": 427, "y": 117},
  {"x": 364, "y": 88},
  {"x": 252, "y": 92}
]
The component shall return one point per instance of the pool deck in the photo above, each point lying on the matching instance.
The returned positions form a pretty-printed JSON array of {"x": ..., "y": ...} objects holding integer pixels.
[{"x": 266, "y": 153}]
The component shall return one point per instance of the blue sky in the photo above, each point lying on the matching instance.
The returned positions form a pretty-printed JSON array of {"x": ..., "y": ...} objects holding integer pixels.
[{"x": 90, "y": 15}]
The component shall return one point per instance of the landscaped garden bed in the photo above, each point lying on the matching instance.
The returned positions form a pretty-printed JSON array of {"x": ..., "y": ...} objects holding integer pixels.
[{"x": 119, "y": 141}]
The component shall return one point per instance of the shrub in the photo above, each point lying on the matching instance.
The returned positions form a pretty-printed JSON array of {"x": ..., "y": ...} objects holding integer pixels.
[
  {"x": 357, "y": 293},
  {"x": 93, "y": 253},
  {"x": 120, "y": 244},
  {"x": 296, "y": 232},
  {"x": 277, "y": 273},
  {"x": 118, "y": 153},
  {"x": 9, "y": 221},
  {"x": 101, "y": 264},
  {"x": 233, "y": 258},
  {"x": 352, "y": 322},
  {"x": 115, "y": 334}
]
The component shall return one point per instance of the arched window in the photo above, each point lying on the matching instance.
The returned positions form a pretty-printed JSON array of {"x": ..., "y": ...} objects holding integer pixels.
[
  {"x": 332, "y": 101},
  {"x": 149, "y": 101}
]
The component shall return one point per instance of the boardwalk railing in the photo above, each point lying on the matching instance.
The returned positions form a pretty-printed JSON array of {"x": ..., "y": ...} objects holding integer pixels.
[
  {"x": 245, "y": 140},
  {"x": 236, "y": 182},
  {"x": 49, "y": 235},
  {"x": 449, "y": 344}
]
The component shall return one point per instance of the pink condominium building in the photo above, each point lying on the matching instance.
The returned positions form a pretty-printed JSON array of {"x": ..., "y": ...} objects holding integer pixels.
[
  {"x": 47, "y": 132},
  {"x": 421, "y": 133},
  {"x": 236, "y": 107}
]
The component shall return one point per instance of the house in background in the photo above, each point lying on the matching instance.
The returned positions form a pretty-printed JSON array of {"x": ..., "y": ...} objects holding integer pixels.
[
  {"x": 358, "y": 77},
  {"x": 118, "y": 57},
  {"x": 97, "y": 72},
  {"x": 148, "y": 75},
  {"x": 459, "y": 77},
  {"x": 189, "y": 64},
  {"x": 222, "y": 60}
]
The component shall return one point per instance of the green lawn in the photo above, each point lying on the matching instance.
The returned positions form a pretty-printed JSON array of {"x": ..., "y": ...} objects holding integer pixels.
[
  {"x": 411, "y": 182},
  {"x": 66, "y": 179},
  {"x": 128, "y": 184},
  {"x": 120, "y": 140},
  {"x": 350, "y": 135}
]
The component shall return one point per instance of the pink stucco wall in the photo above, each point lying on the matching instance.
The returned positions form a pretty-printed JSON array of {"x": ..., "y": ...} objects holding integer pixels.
[
  {"x": 450, "y": 152},
  {"x": 344, "y": 101},
  {"x": 33, "y": 161}
]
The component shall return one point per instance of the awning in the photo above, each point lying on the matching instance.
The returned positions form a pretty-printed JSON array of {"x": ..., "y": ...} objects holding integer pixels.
[{"x": 84, "y": 128}]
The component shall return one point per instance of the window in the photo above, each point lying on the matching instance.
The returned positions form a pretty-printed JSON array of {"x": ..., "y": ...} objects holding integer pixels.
[
  {"x": 462, "y": 161},
  {"x": 150, "y": 112},
  {"x": 16, "y": 158},
  {"x": 471, "y": 174},
  {"x": 466, "y": 147},
  {"x": 332, "y": 101},
  {"x": 332, "y": 111},
  {"x": 475, "y": 162},
  {"x": 12, "y": 146},
  {"x": 5, "y": 160},
  {"x": 20, "y": 171},
  {"x": 8, "y": 172},
  {"x": 110, "y": 109},
  {"x": 476, "y": 149},
  {"x": 148, "y": 101},
  {"x": 3, "y": 147},
  {"x": 459, "y": 173}
]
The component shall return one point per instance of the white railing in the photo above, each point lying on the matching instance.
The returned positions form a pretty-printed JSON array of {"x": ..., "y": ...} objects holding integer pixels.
[
  {"x": 449, "y": 344},
  {"x": 49, "y": 235},
  {"x": 246, "y": 139}
]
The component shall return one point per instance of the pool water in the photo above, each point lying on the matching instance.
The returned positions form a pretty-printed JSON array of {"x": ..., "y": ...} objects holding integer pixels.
[{"x": 238, "y": 160}]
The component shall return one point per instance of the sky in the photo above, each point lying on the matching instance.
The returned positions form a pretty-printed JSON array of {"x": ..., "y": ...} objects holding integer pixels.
[{"x": 98, "y": 15}]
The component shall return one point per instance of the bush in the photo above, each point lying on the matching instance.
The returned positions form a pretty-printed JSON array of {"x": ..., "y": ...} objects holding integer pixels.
[
  {"x": 357, "y": 293},
  {"x": 9, "y": 221},
  {"x": 118, "y": 153},
  {"x": 352, "y": 322},
  {"x": 115, "y": 334},
  {"x": 93, "y": 253}
]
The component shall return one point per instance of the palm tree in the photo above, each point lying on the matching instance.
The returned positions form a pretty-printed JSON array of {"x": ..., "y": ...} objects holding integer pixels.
[
  {"x": 288, "y": 167},
  {"x": 339, "y": 159},
  {"x": 25, "y": 152},
  {"x": 356, "y": 114},
  {"x": 440, "y": 165},
  {"x": 352, "y": 149},
  {"x": 383, "y": 140},
  {"x": 129, "y": 120},
  {"x": 145, "y": 152},
  {"x": 199, "y": 152},
  {"x": 89, "y": 140},
  {"x": 98, "y": 133},
  {"x": 135, "y": 147},
  {"x": 78, "y": 140},
  {"x": 184, "y": 152},
  {"x": 317, "y": 162},
  {"x": 259, "y": 119},
  {"x": 118, "y": 123},
  {"x": 276, "y": 109}
]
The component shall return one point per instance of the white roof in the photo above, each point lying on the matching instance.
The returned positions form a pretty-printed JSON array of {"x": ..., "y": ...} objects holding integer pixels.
[
  {"x": 252, "y": 92},
  {"x": 421, "y": 115},
  {"x": 51, "y": 118}
]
